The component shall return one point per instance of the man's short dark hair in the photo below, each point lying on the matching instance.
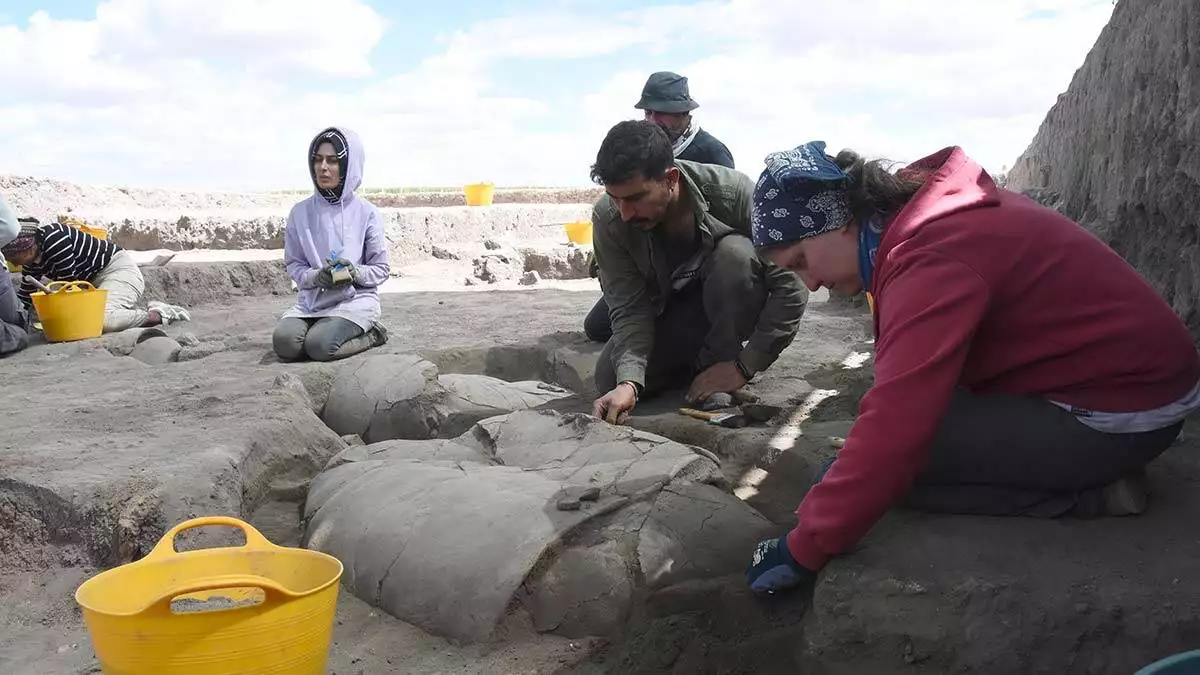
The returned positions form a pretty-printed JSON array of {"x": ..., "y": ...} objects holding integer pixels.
[{"x": 633, "y": 149}]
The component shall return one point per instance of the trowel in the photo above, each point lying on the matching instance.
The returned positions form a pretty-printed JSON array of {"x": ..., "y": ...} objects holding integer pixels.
[
  {"x": 35, "y": 282},
  {"x": 729, "y": 420}
]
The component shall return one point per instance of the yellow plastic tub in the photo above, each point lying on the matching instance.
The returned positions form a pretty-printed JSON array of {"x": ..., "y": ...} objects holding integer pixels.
[
  {"x": 97, "y": 231},
  {"x": 579, "y": 232},
  {"x": 479, "y": 194},
  {"x": 257, "y": 608},
  {"x": 74, "y": 311}
]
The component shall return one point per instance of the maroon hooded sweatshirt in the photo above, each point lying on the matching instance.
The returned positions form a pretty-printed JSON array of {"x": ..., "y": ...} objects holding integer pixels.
[{"x": 981, "y": 288}]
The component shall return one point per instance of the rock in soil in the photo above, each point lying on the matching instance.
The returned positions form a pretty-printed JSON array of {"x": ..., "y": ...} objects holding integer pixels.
[{"x": 443, "y": 253}]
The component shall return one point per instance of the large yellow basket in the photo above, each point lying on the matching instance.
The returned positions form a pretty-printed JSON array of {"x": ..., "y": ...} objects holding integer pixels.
[
  {"x": 74, "y": 311},
  {"x": 257, "y": 608}
]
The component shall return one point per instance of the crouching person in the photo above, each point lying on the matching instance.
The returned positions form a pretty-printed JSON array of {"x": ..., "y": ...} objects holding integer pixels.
[
  {"x": 60, "y": 252},
  {"x": 1022, "y": 367},
  {"x": 691, "y": 302},
  {"x": 335, "y": 251}
]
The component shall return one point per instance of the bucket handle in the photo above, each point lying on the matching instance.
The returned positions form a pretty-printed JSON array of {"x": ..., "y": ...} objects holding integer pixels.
[
  {"x": 69, "y": 286},
  {"x": 165, "y": 548},
  {"x": 163, "y": 601}
]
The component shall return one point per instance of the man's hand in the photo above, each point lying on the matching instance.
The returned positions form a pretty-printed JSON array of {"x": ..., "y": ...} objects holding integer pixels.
[
  {"x": 614, "y": 407},
  {"x": 721, "y": 377},
  {"x": 773, "y": 569}
]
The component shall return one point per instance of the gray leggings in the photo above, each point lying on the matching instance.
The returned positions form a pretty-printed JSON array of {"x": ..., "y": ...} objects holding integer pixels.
[
  {"x": 324, "y": 339},
  {"x": 1014, "y": 455}
]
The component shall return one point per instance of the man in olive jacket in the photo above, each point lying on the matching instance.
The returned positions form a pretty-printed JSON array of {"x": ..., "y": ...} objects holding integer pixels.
[{"x": 680, "y": 275}]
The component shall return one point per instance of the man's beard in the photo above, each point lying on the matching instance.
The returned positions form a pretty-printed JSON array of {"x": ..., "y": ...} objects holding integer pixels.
[{"x": 672, "y": 135}]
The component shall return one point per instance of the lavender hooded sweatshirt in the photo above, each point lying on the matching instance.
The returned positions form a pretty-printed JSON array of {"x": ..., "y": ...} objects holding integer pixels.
[{"x": 316, "y": 227}]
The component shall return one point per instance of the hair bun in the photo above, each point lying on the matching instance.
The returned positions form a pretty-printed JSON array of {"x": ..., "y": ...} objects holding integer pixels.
[{"x": 847, "y": 159}]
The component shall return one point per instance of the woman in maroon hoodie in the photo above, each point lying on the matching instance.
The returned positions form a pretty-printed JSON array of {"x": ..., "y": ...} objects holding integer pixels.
[{"x": 1021, "y": 366}]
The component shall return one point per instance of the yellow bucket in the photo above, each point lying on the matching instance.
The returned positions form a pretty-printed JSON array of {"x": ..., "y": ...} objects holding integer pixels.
[
  {"x": 479, "y": 194},
  {"x": 270, "y": 609},
  {"x": 74, "y": 311},
  {"x": 95, "y": 231},
  {"x": 579, "y": 232}
]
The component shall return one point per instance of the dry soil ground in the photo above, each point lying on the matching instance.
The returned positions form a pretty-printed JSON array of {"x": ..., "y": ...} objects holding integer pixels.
[{"x": 922, "y": 594}]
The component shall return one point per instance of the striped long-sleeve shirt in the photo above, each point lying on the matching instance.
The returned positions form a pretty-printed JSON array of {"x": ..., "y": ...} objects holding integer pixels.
[{"x": 66, "y": 254}]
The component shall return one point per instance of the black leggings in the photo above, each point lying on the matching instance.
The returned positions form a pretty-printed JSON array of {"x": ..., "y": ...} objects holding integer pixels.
[{"x": 1012, "y": 455}]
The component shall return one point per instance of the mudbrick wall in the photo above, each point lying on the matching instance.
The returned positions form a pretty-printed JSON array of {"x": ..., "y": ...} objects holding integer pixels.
[
  {"x": 414, "y": 222},
  {"x": 1120, "y": 150}
]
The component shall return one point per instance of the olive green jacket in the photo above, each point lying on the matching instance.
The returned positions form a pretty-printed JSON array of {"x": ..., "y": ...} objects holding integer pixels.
[{"x": 637, "y": 282}]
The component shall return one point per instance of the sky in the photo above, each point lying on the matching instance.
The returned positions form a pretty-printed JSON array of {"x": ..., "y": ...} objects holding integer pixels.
[{"x": 227, "y": 94}]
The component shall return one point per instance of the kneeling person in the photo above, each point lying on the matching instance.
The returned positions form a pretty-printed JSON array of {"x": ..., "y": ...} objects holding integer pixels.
[
  {"x": 680, "y": 275},
  {"x": 63, "y": 253},
  {"x": 14, "y": 321},
  {"x": 335, "y": 251}
]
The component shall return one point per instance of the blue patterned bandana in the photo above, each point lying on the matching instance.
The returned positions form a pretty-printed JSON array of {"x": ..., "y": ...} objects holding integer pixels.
[{"x": 799, "y": 195}]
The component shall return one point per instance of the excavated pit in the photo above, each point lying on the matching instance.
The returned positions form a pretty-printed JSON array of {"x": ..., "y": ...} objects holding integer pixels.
[{"x": 104, "y": 453}]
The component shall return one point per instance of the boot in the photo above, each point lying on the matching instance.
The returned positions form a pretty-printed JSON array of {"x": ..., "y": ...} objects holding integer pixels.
[{"x": 375, "y": 336}]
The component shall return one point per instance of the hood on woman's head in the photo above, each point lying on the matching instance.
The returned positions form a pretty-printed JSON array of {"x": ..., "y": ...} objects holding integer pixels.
[{"x": 348, "y": 150}]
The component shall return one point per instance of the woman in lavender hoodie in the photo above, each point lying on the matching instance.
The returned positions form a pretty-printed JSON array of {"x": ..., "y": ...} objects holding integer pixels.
[{"x": 335, "y": 251}]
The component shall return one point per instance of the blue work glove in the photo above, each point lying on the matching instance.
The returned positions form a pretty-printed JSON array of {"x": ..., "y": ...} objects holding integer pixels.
[{"x": 773, "y": 569}]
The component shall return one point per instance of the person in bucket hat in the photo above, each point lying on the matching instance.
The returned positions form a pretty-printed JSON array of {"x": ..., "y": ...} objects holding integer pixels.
[{"x": 666, "y": 102}]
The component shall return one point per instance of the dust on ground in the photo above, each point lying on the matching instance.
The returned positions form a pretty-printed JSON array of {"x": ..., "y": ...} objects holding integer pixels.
[
  {"x": 914, "y": 597},
  {"x": 43, "y": 632}
]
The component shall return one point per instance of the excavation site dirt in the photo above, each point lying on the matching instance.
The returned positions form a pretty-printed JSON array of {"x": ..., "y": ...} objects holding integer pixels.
[{"x": 488, "y": 525}]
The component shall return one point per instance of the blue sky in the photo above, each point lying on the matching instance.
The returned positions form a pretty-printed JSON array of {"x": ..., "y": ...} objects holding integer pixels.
[{"x": 162, "y": 92}]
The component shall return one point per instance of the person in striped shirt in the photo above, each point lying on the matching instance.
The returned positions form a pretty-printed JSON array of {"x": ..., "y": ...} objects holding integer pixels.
[{"x": 64, "y": 253}]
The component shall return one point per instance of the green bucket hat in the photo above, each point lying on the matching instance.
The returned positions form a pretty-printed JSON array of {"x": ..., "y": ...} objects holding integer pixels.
[{"x": 666, "y": 92}]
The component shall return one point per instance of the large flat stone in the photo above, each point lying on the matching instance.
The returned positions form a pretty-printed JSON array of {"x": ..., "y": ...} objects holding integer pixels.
[
  {"x": 381, "y": 397},
  {"x": 445, "y": 537}
]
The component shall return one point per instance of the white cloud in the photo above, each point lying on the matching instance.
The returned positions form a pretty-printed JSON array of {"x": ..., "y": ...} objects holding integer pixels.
[{"x": 226, "y": 93}]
